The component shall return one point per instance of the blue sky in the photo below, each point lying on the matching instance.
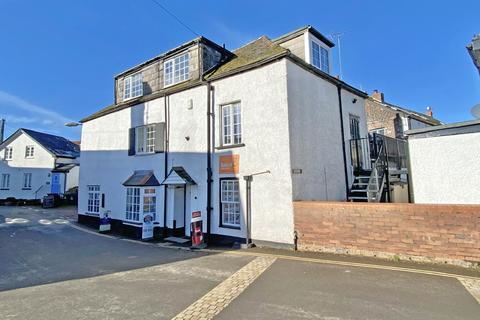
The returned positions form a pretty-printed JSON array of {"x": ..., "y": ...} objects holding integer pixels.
[{"x": 58, "y": 58}]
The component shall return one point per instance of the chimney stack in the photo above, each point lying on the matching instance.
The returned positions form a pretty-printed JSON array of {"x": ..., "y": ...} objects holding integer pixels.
[
  {"x": 2, "y": 130},
  {"x": 377, "y": 95},
  {"x": 429, "y": 112}
]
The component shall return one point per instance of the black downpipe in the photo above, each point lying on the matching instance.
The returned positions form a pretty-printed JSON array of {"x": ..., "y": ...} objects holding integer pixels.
[
  {"x": 165, "y": 128},
  {"x": 209, "y": 161},
  {"x": 339, "y": 90}
]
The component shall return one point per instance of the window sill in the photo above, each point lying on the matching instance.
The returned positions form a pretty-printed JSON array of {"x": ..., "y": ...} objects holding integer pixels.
[
  {"x": 230, "y": 146},
  {"x": 4, "y": 189},
  {"x": 143, "y": 154},
  {"x": 229, "y": 227},
  {"x": 26, "y": 188},
  {"x": 132, "y": 223},
  {"x": 131, "y": 98},
  {"x": 92, "y": 214}
]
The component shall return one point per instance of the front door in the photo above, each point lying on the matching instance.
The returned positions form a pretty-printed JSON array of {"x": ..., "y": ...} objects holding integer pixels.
[
  {"x": 56, "y": 184},
  {"x": 176, "y": 210}
]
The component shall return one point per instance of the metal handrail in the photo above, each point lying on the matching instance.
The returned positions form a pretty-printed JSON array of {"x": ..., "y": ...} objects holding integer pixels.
[{"x": 376, "y": 182}]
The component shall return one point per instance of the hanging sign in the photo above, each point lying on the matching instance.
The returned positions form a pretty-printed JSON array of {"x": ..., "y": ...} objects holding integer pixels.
[
  {"x": 229, "y": 163},
  {"x": 147, "y": 226}
]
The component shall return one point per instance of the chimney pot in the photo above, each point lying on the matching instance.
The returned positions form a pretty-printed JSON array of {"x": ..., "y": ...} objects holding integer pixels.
[{"x": 429, "y": 112}]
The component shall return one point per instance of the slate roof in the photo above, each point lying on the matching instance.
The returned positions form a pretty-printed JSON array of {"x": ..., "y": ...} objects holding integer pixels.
[
  {"x": 58, "y": 146},
  {"x": 142, "y": 178},
  {"x": 415, "y": 114},
  {"x": 254, "y": 52}
]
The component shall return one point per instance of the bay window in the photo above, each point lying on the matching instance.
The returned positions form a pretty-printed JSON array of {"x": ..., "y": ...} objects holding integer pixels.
[{"x": 140, "y": 201}]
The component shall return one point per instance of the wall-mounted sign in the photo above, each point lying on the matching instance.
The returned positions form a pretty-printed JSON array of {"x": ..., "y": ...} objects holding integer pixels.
[
  {"x": 147, "y": 226},
  {"x": 229, "y": 163}
]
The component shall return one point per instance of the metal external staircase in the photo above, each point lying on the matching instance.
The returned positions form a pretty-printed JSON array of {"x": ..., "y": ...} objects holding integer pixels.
[{"x": 377, "y": 161}]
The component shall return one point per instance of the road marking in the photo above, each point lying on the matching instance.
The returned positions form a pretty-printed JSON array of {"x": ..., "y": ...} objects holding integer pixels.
[
  {"x": 287, "y": 257},
  {"x": 222, "y": 295},
  {"x": 353, "y": 264},
  {"x": 472, "y": 286}
]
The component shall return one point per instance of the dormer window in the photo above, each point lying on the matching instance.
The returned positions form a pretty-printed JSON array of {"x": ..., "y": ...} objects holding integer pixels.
[
  {"x": 176, "y": 70},
  {"x": 320, "y": 57},
  {"x": 133, "y": 86}
]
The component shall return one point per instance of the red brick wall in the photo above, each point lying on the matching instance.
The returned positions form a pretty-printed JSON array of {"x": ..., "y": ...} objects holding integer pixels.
[{"x": 447, "y": 233}]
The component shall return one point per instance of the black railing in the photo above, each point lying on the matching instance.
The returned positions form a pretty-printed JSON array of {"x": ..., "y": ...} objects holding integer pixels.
[{"x": 365, "y": 151}]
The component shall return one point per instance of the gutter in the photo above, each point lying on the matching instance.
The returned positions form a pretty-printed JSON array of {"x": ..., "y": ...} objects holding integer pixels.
[
  {"x": 339, "y": 92},
  {"x": 165, "y": 165}
]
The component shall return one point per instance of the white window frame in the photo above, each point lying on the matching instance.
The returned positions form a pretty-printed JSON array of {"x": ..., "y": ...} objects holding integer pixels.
[
  {"x": 378, "y": 131},
  {"x": 176, "y": 70},
  {"x": 230, "y": 203},
  {"x": 5, "y": 180},
  {"x": 29, "y": 152},
  {"x": 320, "y": 57},
  {"x": 93, "y": 199},
  {"x": 8, "y": 153},
  {"x": 145, "y": 139},
  {"x": 140, "y": 200},
  {"x": 231, "y": 117},
  {"x": 27, "y": 180},
  {"x": 133, "y": 86}
]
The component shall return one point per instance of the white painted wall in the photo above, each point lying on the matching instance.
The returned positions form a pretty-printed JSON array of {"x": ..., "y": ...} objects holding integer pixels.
[
  {"x": 40, "y": 166},
  {"x": 262, "y": 93},
  {"x": 104, "y": 156},
  {"x": 315, "y": 133},
  {"x": 446, "y": 169},
  {"x": 265, "y": 97},
  {"x": 72, "y": 178}
]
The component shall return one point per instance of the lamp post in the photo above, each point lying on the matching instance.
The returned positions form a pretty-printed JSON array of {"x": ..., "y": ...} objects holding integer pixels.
[{"x": 248, "y": 219}]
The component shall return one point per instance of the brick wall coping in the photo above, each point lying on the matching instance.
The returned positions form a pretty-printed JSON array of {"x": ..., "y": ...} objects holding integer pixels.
[{"x": 474, "y": 207}]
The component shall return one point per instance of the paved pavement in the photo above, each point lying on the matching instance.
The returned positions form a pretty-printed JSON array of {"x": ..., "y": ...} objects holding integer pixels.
[{"x": 50, "y": 270}]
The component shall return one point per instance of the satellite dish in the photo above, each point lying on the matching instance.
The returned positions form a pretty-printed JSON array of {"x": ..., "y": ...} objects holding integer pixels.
[{"x": 476, "y": 111}]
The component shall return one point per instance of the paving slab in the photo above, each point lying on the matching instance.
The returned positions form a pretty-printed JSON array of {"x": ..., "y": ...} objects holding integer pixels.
[{"x": 302, "y": 290}]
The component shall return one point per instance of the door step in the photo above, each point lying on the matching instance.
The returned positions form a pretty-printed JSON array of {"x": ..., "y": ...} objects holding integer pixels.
[{"x": 177, "y": 240}]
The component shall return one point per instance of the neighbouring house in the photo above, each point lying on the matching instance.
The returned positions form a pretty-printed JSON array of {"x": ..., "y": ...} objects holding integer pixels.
[
  {"x": 189, "y": 127},
  {"x": 392, "y": 121},
  {"x": 34, "y": 164},
  {"x": 473, "y": 49},
  {"x": 444, "y": 161}
]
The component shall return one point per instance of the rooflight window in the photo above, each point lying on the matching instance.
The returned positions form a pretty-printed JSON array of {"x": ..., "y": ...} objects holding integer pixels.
[
  {"x": 133, "y": 86},
  {"x": 176, "y": 70}
]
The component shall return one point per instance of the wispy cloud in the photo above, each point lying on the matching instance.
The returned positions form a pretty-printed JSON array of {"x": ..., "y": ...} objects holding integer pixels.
[{"x": 47, "y": 116}]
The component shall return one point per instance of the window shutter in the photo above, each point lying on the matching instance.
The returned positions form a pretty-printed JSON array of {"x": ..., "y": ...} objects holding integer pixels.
[
  {"x": 160, "y": 137},
  {"x": 131, "y": 144}
]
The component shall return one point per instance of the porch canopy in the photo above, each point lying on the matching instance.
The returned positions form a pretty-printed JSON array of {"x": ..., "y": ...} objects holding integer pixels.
[
  {"x": 178, "y": 176},
  {"x": 142, "y": 178}
]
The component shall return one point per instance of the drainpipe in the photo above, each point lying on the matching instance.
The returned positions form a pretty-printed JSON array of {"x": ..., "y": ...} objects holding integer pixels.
[
  {"x": 339, "y": 91},
  {"x": 209, "y": 160},
  {"x": 165, "y": 130}
]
